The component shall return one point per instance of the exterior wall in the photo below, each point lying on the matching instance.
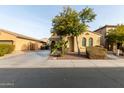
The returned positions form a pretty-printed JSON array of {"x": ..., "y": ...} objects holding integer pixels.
[
  {"x": 87, "y": 35},
  {"x": 104, "y": 31},
  {"x": 23, "y": 44},
  {"x": 70, "y": 44},
  {"x": 20, "y": 44},
  {"x": 6, "y": 36}
]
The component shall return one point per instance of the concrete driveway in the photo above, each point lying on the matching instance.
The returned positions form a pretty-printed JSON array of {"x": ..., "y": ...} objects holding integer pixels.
[{"x": 27, "y": 59}]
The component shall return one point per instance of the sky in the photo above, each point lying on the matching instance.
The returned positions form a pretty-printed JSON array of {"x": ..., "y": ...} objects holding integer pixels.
[{"x": 36, "y": 21}]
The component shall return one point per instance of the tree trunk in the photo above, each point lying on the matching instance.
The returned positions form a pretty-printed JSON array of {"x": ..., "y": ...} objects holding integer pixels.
[
  {"x": 78, "y": 45},
  {"x": 62, "y": 49}
]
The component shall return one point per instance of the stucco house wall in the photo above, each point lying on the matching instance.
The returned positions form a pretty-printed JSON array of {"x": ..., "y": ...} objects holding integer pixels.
[
  {"x": 6, "y": 36},
  {"x": 103, "y": 33},
  {"x": 23, "y": 44},
  {"x": 87, "y": 35},
  {"x": 20, "y": 43}
]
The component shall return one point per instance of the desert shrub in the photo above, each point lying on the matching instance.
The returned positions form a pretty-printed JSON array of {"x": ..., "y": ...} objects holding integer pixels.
[
  {"x": 96, "y": 52},
  {"x": 11, "y": 48},
  {"x": 6, "y": 49},
  {"x": 59, "y": 48}
]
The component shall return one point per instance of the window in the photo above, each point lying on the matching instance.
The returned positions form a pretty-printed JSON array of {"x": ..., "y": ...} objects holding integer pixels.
[
  {"x": 84, "y": 41},
  {"x": 90, "y": 42}
]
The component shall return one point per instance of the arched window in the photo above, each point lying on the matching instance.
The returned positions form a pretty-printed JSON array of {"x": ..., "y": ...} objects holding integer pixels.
[
  {"x": 90, "y": 42},
  {"x": 84, "y": 41}
]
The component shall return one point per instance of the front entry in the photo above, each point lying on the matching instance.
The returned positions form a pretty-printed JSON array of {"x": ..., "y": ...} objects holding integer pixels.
[{"x": 71, "y": 44}]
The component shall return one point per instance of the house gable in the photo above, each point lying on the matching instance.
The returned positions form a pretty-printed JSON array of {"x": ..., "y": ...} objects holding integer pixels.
[{"x": 87, "y": 36}]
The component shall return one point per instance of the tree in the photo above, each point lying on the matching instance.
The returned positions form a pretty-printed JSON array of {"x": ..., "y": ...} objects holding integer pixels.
[
  {"x": 71, "y": 23},
  {"x": 59, "y": 47},
  {"x": 87, "y": 15},
  {"x": 116, "y": 35},
  {"x": 77, "y": 30},
  {"x": 64, "y": 23}
]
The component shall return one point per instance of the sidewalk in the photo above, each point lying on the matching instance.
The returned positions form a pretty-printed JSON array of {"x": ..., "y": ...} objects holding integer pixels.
[
  {"x": 84, "y": 63},
  {"x": 69, "y": 64}
]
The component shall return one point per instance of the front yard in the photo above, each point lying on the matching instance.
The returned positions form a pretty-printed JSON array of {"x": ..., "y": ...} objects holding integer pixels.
[
  {"x": 68, "y": 56},
  {"x": 95, "y": 52},
  {"x": 75, "y": 56}
]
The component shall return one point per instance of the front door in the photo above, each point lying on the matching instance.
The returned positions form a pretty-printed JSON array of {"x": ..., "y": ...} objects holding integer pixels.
[{"x": 71, "y": 44}]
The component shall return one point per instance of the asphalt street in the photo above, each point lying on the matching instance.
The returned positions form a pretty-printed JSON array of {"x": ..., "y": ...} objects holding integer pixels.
[{"x": 62, "y": 78}]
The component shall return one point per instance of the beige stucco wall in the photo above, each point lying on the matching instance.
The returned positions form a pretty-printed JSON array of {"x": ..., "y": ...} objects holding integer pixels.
[
  {"x": 96, "y": 41},
  {"x": 6, "y": 36},
  {"x": 20, "y": 44},
  {"x": 103, "y": 33},
  {"x": 23, "y": 44}
]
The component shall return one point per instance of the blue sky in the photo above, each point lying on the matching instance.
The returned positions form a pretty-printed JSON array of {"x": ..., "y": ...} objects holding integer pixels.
[{"x": 36, "y": 21}]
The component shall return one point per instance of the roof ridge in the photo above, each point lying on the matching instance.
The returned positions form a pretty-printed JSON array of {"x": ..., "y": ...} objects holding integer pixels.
[
  {"x": 19, "y": 35},
  {"x": 104, "y": 27}
]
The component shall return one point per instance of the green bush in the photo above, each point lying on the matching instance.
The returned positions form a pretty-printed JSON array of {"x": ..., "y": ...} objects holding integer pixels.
[
  {"x": 6, "y": 49},
  {"x": 96, "y": 52},
  {"x": 59, "y": 48}
]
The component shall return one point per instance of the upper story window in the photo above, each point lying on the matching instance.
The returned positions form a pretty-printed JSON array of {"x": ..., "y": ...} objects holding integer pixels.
[
  {"x": 90, "y": 42},
  {"x": 84, "y": 41}
]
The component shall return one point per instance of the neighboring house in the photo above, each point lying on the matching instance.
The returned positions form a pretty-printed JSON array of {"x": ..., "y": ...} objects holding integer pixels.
[
  {"x": 86, "y": 39},
  {"x": 104, "y": 31},
  {"x": 45, "y": 40},
  {"x": 21, "y": 42}
]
